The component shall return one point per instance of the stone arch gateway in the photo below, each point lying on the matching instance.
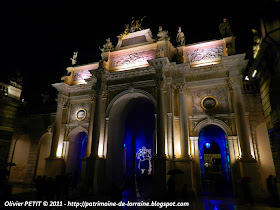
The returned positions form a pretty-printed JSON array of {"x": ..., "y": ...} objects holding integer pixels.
[{"x": 144, "y": 107}]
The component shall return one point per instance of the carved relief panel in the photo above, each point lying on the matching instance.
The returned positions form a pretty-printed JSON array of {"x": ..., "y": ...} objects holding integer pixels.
[
  {"x": 81, "y": 76},
  {"x": 205, "y": 54},
  {"x": 132, "y": 60}
]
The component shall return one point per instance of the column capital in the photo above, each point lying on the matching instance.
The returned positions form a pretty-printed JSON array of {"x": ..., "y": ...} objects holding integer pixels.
[
  {"x": 104, "y": 92},
  {"x": 169, "y": 80},
  {"x": 169, "y": 114},
  {"x": 160, "y": 79},
  {"x": 62, "y": 100},
  {"x": 92, "y": 96},
  {"x": 181, "y": 87},
  {"x": 101, "y": 75},
  {"x": 236, "y": 81}
]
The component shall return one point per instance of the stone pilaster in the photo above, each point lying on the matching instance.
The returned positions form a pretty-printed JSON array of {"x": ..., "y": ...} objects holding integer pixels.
[
  {"x": 240, "y": 117},
  {"x": 54, "y": 165}
]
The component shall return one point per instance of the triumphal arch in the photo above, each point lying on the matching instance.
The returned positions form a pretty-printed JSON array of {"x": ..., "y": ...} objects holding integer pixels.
[{"x": 149, "y": 118}]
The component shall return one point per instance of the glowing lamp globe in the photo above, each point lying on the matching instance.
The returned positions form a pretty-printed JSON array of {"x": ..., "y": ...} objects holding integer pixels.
[{"x": 207, "y": 145}]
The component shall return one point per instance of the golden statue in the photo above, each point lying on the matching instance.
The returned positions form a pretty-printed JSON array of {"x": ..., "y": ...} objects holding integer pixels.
[{"x": 134, "y": 26}]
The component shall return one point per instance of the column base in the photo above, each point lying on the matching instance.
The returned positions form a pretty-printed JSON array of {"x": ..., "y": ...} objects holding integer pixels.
[
  {"x": 249, "y": 168},
  {"x": 159, "y": 178},
  {"x": 93, "y": 172},
  {"x": 89, "y": 166},
  {"x": 83, "y": 183},
  {"x": 54, "y": 167},
  {"x": 184, "y": 182},
  {"x": 99, "y": 176}
]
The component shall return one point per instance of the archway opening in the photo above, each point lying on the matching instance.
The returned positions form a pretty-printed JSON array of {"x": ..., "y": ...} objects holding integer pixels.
[
  {"x": 76, "y": 152},
  {"x": 214, "y": 161},
  {"x": 131, "y": 147}
]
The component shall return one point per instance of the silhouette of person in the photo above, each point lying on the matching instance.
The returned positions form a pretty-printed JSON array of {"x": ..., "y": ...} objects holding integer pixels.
[{"x": 272, "y": 189}]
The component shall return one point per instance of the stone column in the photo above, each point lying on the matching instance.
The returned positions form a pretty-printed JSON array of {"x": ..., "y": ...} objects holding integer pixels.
[
  {"x": 89, "y": 140},
  {"x": 170, "y": 135},
  {"x": 90, "y": 128},
  {"x": 183, "y": 117},
  {"x": 96, "y": 126},
  {"x": 240, "y": 117},
  {"x": 184, "y": 163},
  {"x": 159, "y": 162},
  {"x": 106, "y": 130},
  {"x": 93, "y": 162},
  {"x": 53, "y": 164},
  {"x": 169, "y": 107},
  {"x": 160, "y": 122},
  {"x": 61, "y": 102},
  {"x": 247, "y": 165},
  {"x": 160, "y": 159}
]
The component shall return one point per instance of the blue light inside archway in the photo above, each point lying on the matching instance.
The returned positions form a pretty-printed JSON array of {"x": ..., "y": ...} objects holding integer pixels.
[
  {"x": 207, "y": 135},
  {"x": 138, "y": 150},
  {"x": 83, "y": 145}
]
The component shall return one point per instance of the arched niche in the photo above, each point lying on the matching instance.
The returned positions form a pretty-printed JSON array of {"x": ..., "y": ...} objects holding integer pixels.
[
  {"x": 44, "y": 152},
  {"x": 20, "y": 158},
  {"x": 76, "y": 151}
]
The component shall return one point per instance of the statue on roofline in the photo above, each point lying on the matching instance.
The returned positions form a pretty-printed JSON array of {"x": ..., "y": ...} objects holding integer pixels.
[
  {"x": 162, "y": 35},
  {"x": 74, "y": 58},
  {"x": 107, "y": 47},
  {"x": 225, "y": 29},
  {"x": 135, "y": 25},
  {"x": 180, "y": 37}
]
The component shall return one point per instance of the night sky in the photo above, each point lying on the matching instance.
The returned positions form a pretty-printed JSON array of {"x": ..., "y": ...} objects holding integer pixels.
[{"x": 39, "y": 37}]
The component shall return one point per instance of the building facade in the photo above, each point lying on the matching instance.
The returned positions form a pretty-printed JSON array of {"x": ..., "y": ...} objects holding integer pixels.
[
  {"x": 151, "y": 116},
  {"x": 265, "y": 70},
  {"x": 9, "y": 105}
]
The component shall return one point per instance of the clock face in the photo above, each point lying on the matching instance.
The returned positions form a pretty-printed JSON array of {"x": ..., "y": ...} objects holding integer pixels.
[
  {"x": 81, "y": 114},
  {"x": 209, "y": 103}
]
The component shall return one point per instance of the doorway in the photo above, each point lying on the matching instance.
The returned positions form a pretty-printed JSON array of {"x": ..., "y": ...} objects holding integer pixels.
[{"x": 214, "y": 161}]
